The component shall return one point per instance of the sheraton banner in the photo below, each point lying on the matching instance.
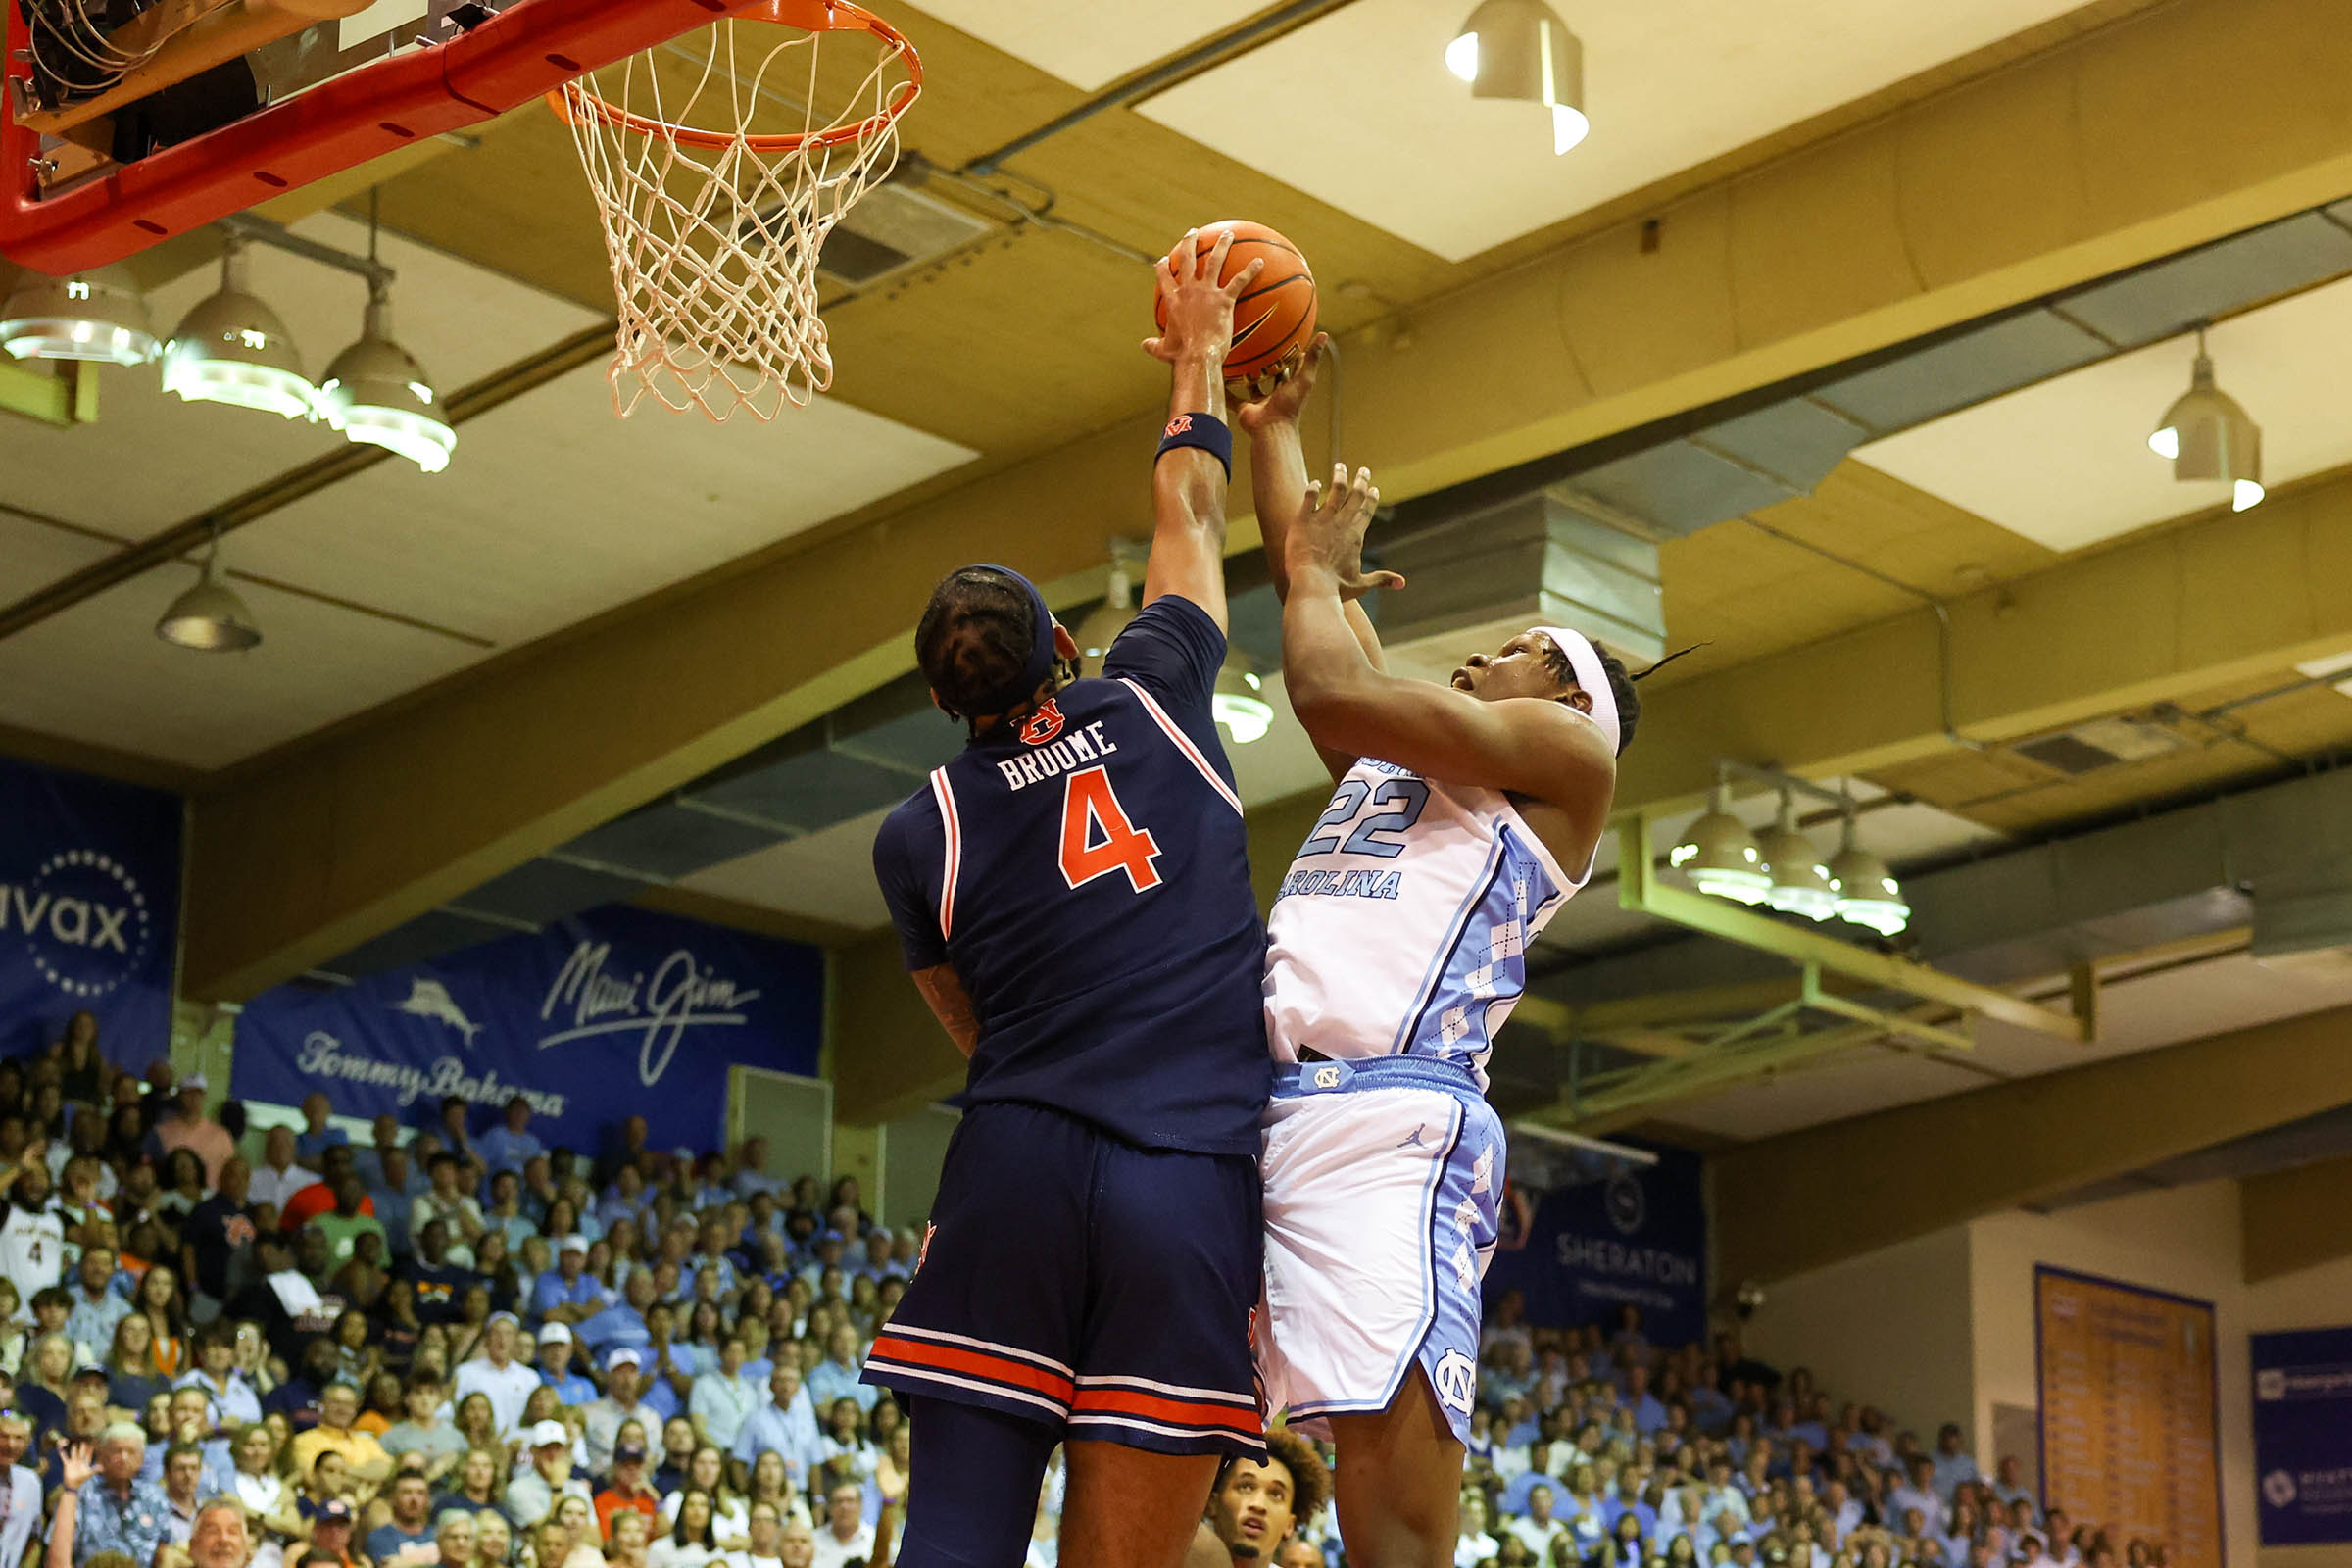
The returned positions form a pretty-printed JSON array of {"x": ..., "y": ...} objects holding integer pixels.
[
  {"x": 1607, "y": 1238},
  {"x": 617, "y": 1012},
  {"x": 89, "y": 911}
]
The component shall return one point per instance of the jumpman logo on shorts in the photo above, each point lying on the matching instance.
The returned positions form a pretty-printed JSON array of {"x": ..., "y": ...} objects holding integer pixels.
[{"x": 1414, "y": 1142}]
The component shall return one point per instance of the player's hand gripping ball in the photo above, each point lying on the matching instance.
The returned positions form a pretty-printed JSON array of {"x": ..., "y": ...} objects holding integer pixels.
[{"x": 1273, "y": 320}]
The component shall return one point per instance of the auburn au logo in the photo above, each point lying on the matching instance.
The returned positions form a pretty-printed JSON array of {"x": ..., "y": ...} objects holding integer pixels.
[{"x": 1043, "y": 724}]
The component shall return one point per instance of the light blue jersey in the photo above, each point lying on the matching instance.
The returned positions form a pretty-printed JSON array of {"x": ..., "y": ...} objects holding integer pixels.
[{"x": 1403, "y": 925}]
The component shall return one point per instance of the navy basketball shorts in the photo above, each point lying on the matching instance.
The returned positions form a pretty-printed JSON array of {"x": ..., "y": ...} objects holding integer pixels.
[{"x": 1079, "y": 1281}]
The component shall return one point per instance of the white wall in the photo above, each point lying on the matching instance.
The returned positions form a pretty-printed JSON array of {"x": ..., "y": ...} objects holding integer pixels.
[{"x": 1891, "y": 1329}]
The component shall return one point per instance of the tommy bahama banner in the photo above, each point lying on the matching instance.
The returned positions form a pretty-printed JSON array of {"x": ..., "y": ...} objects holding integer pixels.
[
  {"x": 89, "y": 911},
  {"x": 617, "y": 1012}
]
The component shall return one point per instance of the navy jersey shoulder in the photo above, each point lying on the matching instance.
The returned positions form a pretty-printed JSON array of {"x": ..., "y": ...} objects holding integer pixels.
[{"x": 1087, "y": 875}]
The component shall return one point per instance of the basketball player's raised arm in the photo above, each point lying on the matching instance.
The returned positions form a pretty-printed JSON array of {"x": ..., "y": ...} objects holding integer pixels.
[
  {"x": 1188, "y": 482},
  {"x": 1546, "y": 751},
  {"x": 1278, "y": 491}
]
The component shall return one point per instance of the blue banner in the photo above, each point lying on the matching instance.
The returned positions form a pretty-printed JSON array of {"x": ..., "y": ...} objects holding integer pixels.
[
  {"x": 89, "y": 911},
  {"x": 1577, "y": 1252},
  {"x": 2303, "y": 1436},
  {"x": 617, "y": 1012}
]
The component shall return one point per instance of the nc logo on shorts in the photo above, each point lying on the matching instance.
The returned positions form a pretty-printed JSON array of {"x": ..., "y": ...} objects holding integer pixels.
[
  {"x": 1327, "y": 1077},
  {"x": 1457, "y": 1381}
]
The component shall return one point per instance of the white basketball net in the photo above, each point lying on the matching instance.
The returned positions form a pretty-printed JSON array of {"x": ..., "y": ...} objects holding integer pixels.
[{"x": 713, "y": 248}]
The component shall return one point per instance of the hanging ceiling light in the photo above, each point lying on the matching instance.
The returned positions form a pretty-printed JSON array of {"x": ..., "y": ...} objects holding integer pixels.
[
  {"x": 231, "y": 348},
  {"x": 1103, "y": 625},
  {"x": 2208, "y": 437},
  {"x": 1521, "y": 50},
  {"x": 1720, "y": 856},
  {"x": 376, "y": 393},
  {"x": 1236, "y": 704},
  {"x": 209, "y": 617},
  {"x": 92, "y": 316},
  {"x": 1800, "y": 883},
  {"x": 1868, "y": 894}
]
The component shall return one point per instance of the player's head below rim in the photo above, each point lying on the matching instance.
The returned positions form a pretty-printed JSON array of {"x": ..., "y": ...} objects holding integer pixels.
[{"x": 992, "y": 650}]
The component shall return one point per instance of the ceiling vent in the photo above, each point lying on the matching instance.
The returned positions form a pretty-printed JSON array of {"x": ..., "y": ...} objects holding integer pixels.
[
  {"x": 894, "y": 226},
  {"x": 2100, "y": 744}
]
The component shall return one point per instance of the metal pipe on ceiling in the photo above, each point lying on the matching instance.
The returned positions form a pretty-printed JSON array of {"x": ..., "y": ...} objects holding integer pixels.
[{"x": 1253, "y": 33}]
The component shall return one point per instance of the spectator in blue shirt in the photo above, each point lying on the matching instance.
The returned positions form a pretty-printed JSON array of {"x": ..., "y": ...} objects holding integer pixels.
[
  {"x": 1649, "y": 1414},
  {"x": 316, "y": 1136},
  {"x": 115, "y": 1510},
  {"x": 620, "y": 1323},
  {"x": 556, "y": 1369},
  {"x": 508, "y": 1146},
  {"x": 567, "y": 1293},
  {"x": 389, "y": 1188},
  {"x": 785, "y": 1426},
  {"x": 1952, "y": 1464},
  {"x": 751, "y": 1170},
  {"x": 836, "y": 1377}
]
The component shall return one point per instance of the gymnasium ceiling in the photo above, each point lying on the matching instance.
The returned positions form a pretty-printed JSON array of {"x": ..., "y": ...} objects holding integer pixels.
[{"x": 529, "y": 646}]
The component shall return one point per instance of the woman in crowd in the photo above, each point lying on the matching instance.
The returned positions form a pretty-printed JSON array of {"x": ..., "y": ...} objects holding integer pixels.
[
  {"x": 692, "y": 1541},
  {"x": 132, "y": 1378},
  {"x": 631, "y": 1539},
  {"x": 477, "y": 1423},
  {"x": 15, "y": 1334},
  {"x": 270, "y": 1507},
  {"x": 577, "y": 1517},
  {"x": 479, "y": 1480},
  {"x": 167, "y": 1312},
  {"x": 493, "y": 1540},
  {"x": 730, "y": 1510}
]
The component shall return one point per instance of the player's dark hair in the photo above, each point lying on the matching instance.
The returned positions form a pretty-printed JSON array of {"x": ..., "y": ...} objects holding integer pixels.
[
  {"x": 1310, "y": 1481},
  {"x": 1621, "y": 682},
  {"x": 975, "y": 635}
]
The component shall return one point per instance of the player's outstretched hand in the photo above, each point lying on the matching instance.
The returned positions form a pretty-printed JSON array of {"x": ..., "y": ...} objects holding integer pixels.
[
  {"x": 1330, "y": 533},
  {"x": 1199, "y": 308},
  {"x": 1280, "y": 406}
]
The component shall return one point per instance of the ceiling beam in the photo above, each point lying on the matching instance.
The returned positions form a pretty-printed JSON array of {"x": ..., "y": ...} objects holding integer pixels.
[
  {"x": 2294, "y": 1219},
  {"x": 2068, "y": 167},
  {"x": 1925, "y": 1166},
  {"x": 2134, "y": 623}
]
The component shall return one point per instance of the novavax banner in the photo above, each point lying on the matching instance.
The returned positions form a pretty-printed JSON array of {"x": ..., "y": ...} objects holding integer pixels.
[
  {"x": 89, "y": 911},
  {"x": 617, "y": 1012}
]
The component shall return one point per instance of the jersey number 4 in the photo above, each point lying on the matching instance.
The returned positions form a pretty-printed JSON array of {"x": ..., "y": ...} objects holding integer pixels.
[{"x": 1097, "y": 839}]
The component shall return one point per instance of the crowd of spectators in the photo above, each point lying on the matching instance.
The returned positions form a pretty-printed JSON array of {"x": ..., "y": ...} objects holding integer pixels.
[
  {"x": 455, "y": 1345},
  {"x": 451, "y": 1345},
  {"x": 1593, "y": 1449}
]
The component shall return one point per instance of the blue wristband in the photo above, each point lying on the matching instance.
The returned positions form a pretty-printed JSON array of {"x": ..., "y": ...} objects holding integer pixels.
[{"x": 1202, "y": 430}]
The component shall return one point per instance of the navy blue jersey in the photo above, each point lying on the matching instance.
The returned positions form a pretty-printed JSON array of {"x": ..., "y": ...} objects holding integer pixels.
[{"x": 1088, "y": 876}]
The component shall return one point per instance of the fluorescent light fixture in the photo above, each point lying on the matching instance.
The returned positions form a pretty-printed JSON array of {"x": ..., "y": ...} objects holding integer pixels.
[
  {"x": 1103, "y": 625},
  {"x": 1721, "y": 857},
  {"x": 232, "y": 348},
  {"x": 1868, "y": 894},
  {"x": 376, "y": 394},
  {"x": 2209, "y": 438},
  {"x": 98, "y": 316},
  {"x": 1237, "y": 704},
  {"x": 1801, "y": 882},
  {"x": 209, "y": 617},
  {"x": 1521, "y": 50}
]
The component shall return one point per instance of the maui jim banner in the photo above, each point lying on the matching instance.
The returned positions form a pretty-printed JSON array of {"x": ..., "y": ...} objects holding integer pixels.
[
  {"x": 89, "y": 911},
  {"x": 617, "y": 1012}
]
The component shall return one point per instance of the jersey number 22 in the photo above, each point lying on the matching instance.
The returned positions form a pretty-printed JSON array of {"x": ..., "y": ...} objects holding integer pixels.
[{"x": 1097, "y": 839}]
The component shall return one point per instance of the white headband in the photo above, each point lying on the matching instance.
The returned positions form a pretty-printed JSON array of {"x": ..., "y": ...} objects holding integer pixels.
[{"x": 1591, "y": 675}]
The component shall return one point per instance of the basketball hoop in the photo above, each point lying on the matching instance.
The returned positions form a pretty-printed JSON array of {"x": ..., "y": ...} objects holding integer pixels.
[{"x": 714, "y": 219}]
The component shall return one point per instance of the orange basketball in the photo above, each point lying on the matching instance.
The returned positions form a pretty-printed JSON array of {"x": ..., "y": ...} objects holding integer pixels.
[{"x": 1275, "y": 320}]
